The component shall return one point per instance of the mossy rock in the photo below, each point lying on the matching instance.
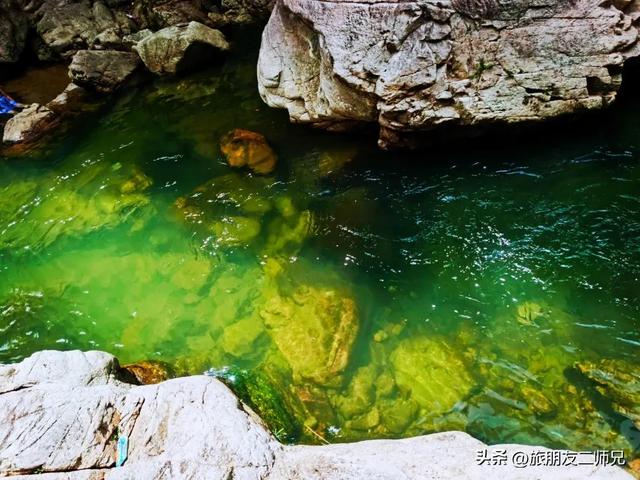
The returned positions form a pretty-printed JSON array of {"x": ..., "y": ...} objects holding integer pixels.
[
  {"x": 239, "y": 339},
  {"x": 398, "y": 414},
  {"x": 315, "y": 330},
  {"x": 230, "y": 194},
  {"x": 432, "y": 373},
  {"x": 619, "y": 382},
  {"x": 360, "y": 395},
  {"x": 264, "y": 396},
  {"x": 286, "y": 234},
  {"x": 236, "y": 231},
  {"x": 96, "y": 198}
]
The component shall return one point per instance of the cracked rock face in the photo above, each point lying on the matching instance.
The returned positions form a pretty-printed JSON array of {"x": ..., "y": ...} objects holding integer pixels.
[
  {"x": 416, "y": 65},
  {"x": 61, "y": 414}
]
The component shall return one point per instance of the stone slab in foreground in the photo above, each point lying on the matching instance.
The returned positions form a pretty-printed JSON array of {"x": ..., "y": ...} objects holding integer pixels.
[{"x": 61, "y": 413}]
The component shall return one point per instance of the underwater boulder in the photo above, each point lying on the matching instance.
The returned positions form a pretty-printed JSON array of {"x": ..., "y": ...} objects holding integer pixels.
[
  {"x": 236, "y": 230},
  {"x": 239, "y": 339},
  {"x": 432, "y": 372},
  {"x": 619, "y": 382},
  {"x": 101, "y": 196},
  {"x": 243, "y": 148},
  {"x": 314, "y": 329},
  {"x": 230, "y": 194},
  {"x": 263, "y": 394},
  {"x": 286, "y": 235}
]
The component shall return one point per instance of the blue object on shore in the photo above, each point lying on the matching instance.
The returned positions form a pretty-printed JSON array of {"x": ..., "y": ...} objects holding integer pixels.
[
  {"x": 122, "y": 450},
  {"x": 7, "y": 105}
]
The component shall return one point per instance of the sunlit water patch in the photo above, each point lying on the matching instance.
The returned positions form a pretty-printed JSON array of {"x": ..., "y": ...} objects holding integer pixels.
[{"x": 352, "y": 294}]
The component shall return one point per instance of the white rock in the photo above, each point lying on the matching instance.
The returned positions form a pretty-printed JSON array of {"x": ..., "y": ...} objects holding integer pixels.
[
  {"x": 178, "y": 48},
  {"x": 333, "y": 63},
  {"x": 61, "y": 413}
]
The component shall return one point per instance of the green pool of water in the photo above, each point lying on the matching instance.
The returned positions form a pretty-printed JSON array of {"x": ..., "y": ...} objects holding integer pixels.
[{"x": 354, "y": 293}]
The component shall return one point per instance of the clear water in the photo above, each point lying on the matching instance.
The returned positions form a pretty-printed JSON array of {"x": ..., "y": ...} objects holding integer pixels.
[{"x": 354, "y": 293}]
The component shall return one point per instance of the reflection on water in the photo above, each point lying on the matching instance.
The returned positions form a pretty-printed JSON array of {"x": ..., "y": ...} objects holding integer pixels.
[{"x": 353, "y": 294}]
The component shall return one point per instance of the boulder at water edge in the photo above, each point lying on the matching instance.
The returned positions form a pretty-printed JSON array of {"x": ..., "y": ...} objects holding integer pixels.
[
  {"x": 418, "y": 65},
  {"x": 103, "y": 70},
  {"x": 179, "y": 48},
  {"x": 61, "y": 414}
]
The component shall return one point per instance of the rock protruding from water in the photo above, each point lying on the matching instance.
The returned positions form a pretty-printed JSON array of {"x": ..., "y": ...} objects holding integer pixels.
[
  {"x": 412, "y": 66},
  {"x": 180, "y": 48},
  {"x": 61, "y": 414},
  {"x": 243, "y": 148},
  {"x": 103, "y": 70},
  {"x": 28, "y": 125}
]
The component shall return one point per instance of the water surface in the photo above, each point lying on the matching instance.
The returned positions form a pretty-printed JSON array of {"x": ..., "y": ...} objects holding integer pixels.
[{"x": 354, "y": 293}]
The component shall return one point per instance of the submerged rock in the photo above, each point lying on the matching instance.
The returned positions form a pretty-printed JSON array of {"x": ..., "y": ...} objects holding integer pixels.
[
  {"x": 29, "y": 124},
  {"x": 180, "y": 48},
  {"x": 239, "y": 339},
  {"x": 243, "y": 148},
  {"x": 432, "y": 373},
  {"x": 242, "y": 211},
  {"x": 99, "y": 196},
  {"x": 413, "y": 66},
  {"x": 315, "y": 330},
  {"x": 619, "y": 382},
  {"x": 103, "y": 70}
]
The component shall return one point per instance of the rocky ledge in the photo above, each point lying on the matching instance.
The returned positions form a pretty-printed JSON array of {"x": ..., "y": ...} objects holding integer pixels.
[
  {"x": 61, "y": 414},
  {"x": 416, "y": 65}
]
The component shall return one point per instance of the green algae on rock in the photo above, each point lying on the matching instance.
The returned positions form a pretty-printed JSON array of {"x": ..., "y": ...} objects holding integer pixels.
[
  {"x": 433, "y": 374},
  {"x": 103, "y": 198},
  {"x": 241, "y": 211},
  {"x": 315, "y": 330},
  {"x": 619, "y": 382}
]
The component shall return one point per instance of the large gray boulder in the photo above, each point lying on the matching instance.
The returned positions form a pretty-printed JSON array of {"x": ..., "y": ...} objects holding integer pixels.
[
  {"x": 180, "y": 48},
  {"x": 103, "y": 70},
  {"x": 418, "y": 65},
  {"x": 62, "y": 412}
]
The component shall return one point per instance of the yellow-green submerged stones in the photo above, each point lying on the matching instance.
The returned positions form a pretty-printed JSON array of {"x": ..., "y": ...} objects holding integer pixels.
[
  {"x": 315, "y": 330},
  {"x": 431, "y": 372},
  {"x": 72, "y": 205},
  {"x": 242, "y": 211}
]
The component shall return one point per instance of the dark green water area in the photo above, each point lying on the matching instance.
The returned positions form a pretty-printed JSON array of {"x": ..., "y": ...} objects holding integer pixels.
[{"x": 354, "y": 293}]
